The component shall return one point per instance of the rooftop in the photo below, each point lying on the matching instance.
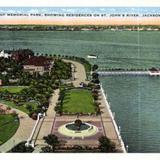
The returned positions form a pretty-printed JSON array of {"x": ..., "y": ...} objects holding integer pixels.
[{"x": 38, "y": 61}]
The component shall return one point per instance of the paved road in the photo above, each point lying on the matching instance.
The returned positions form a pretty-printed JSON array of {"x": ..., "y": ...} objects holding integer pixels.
[
  {"x": 22, "y": 133},
  {"x": 79, "y": 74}
]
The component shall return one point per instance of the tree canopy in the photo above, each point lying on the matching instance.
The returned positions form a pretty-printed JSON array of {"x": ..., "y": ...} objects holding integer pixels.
[{"x": 106, "y": 145}]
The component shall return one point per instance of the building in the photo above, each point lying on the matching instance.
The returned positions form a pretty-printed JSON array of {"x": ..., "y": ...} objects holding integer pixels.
[
  {"x": 4, "y": 55},
  {"x": 21, "y": 54},
  {"x": 38, "y": 64}
]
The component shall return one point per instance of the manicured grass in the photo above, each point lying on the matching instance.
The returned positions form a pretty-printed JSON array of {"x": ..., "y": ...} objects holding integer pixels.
[
  {"x": 22, "y": 107},
  {"x": 12, "y": 89},
  {"x": 78, "y": 101},
  {"x": 8, "y": 126}
]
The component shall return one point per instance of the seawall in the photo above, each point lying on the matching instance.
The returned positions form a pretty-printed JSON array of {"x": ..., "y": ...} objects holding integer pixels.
[{"x": 122, "y": 146}]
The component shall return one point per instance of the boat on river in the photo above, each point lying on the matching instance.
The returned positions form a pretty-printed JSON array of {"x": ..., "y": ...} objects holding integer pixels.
[{"x": 92, "y": 56}]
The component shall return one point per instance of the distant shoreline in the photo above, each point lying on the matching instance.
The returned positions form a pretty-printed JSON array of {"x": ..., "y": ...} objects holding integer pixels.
[{"x": 44, "y": 27}]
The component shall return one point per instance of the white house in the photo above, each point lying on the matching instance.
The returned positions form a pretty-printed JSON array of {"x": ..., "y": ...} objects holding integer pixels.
[{"x": 4, "y": 55}]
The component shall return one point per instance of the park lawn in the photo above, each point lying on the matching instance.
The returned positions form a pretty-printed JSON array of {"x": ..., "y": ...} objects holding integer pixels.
[
  {"x": 12, "y": 89},
  {"x": 22, "y": 107},
  {"x": 78, "y": 101},
  {"x": 8, "y": 126}
]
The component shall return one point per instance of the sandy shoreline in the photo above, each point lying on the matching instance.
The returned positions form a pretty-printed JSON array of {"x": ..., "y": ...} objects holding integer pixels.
[{"x": 78, "y": 21}]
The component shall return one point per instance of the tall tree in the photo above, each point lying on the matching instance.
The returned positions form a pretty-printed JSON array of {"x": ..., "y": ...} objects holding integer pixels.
[{"x": 106, "y": 145}]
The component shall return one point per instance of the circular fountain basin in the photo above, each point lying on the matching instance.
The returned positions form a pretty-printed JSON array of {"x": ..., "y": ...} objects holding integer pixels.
[{"x": 85, "y": 130}]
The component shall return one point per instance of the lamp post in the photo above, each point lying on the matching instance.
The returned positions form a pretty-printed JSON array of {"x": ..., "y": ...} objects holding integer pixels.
[
  {"x": 127, "y": 148},
  {"x": 114, "y": 115},
  {"x": 119, "y": 128}
]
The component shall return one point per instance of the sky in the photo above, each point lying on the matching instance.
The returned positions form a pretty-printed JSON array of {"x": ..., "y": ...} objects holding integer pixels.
[
  {"x": 107, "y": 10},
  {"x": 82, "y": 3}
]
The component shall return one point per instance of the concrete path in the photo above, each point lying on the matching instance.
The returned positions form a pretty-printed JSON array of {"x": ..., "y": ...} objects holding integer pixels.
[
  {"x": 47, "y": 122},
  {"x": 22, "y": 133},
  {"x": 79, "y": 74}
]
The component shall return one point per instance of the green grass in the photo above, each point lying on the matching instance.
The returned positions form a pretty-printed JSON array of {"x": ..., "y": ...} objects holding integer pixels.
[
  {"x": 78, "y": 101},
  {"x": 22, "y": 107},
  {"x": 16, "y": 89},
  {"x": 8, "y": 126},
  {"x": 12, "y": 89}
]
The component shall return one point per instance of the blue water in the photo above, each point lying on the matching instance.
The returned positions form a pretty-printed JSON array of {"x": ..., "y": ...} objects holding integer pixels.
[
  {"x": 136, "y": 103},
  {"x": 115, "y": 49}
]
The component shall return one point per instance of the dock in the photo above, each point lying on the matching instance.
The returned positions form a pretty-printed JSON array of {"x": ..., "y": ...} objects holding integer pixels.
[{"x": 128, "y": 73}]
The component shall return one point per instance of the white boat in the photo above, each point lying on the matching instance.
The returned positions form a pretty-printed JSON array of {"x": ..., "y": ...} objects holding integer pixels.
[{"x": 92, "y": 56}]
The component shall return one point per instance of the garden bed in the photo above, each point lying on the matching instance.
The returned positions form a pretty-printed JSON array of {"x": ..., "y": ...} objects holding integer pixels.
[
  {"x": 22, "y": 107},
  {"x": 12, "y": 89}
]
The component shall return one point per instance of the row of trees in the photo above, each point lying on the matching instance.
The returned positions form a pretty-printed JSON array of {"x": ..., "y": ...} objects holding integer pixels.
[
  {"x": 53, "y": 144},
  {"x": 95, "y": 78},
  {"x": 74, "y": 28}
]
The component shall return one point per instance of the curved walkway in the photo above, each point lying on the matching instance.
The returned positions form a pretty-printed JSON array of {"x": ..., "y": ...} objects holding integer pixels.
[
  {"x": 79, "y": 74},
  {"x": 22, "y": 133}
]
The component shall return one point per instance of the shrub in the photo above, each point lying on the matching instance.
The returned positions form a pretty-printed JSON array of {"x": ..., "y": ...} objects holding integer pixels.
[
  {"x": 46, "y": 149},
  {"x": 34, "y": 116},
  {"x": 21, "y": 148},
  {"x": 52, "y": 140}
]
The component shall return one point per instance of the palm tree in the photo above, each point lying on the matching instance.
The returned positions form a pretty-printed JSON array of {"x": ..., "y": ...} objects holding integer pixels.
[
  {"x": 52, "y": 140},
  {"x": 94, "y": 67}
]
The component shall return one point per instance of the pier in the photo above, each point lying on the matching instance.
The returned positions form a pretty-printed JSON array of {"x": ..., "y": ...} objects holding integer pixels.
[{"x": 129, "y": 73}]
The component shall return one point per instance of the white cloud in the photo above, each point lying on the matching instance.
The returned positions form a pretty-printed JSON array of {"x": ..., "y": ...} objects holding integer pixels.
[
  {"x": 112, "y": 9},
  {"x": 11, "y": 11},
  {"x": 1, "y": 11},
  {"x": 69, "y": 10},
  {"x": 102, "y": 9},
  {"x": 33, "y": 11}
]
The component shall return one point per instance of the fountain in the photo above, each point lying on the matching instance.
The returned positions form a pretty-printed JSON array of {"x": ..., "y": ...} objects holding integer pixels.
[{"x": 78, "y": 129}]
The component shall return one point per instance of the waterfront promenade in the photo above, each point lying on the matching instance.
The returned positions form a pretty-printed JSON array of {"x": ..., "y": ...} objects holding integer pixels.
[{"x": 110, "y": 126}]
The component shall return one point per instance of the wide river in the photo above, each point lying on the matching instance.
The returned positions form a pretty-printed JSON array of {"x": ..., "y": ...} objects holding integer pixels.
[{"x": 135, "y": 100}]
